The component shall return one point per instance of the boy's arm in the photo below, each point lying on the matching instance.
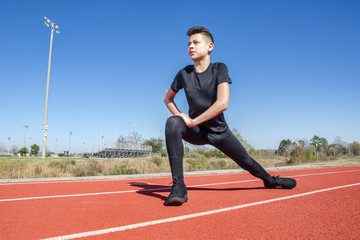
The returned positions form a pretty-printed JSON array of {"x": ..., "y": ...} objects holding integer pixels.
[
  {"x": 221, "y": 104},
  {"x": 169, "y": 102}
]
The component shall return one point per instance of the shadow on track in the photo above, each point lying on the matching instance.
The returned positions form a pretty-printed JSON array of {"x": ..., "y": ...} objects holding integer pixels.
[{"x": 153, "y": 190}]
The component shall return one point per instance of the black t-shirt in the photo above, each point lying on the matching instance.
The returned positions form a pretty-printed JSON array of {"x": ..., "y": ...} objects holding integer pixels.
[{"x": 201, "y": 92}]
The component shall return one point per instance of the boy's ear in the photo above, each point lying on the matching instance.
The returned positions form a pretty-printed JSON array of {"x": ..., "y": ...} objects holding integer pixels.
[{"x": 210, "y": 47}]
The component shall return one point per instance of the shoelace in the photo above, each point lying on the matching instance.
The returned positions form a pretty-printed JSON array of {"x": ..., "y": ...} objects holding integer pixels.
[
  {"x": 174, "y": 184},
  {"x": 276, "y": 178}
]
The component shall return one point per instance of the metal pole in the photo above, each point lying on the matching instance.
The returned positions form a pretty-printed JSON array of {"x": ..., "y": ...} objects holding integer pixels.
[
  {"x": 9, "y": 145},
  {"x": 46, "y": 100},
  {"x": 29, "y": 146},
  {"x": 54, "y": 28},
  {"x": 25, "y": 128},
  {"x": 70, "y": 144},
  {"x": 129, "y": 132}
]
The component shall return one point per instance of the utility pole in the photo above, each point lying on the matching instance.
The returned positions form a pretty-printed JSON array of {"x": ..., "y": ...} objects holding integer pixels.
[
  {"x": 54, "y": 28},
  {"x": 70, "y": 134},
  {"x": 129, "y": 131},
  {"x": 25, "y": 129}
]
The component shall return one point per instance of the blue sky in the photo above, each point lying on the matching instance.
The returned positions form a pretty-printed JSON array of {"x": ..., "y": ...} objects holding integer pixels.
[{"x": 295, "y": 67}]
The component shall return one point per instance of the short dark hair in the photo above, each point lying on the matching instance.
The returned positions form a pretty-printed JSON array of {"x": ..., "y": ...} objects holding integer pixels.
[{"x": 202, "y": 30}]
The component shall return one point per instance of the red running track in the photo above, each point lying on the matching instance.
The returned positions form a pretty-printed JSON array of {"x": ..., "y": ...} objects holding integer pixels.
[{"x": 324, "y": 205}]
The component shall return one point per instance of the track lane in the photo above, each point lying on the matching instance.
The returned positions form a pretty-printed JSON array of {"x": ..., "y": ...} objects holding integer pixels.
[
  {"x": 101, "y": 212},
  {"x": 34, "y": 190},
  {"x": 308, "y": 217}
]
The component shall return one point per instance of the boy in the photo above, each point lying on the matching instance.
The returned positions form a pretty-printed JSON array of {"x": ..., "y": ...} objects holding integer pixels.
[{"x": 206, "y": 87}]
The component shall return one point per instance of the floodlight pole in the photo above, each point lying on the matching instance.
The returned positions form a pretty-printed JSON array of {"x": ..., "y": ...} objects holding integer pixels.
[
  {"x": 70, "y": 133},
  {"x": 9, "y": 145},
  {"x": 129, "y": 123},
  {"x": 54, "y": 28},
  {"x": 25, "y": 128},
  {"x": 56, "y": 146}
]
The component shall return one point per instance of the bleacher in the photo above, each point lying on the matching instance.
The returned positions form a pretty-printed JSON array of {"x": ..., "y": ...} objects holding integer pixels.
[
  {"x": 4, "y": 154},
  {"x": 122, "y": 151}
]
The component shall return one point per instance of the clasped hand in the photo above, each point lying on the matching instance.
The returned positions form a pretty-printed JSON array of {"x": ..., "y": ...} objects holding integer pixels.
[{"x": 188, "y": 121}]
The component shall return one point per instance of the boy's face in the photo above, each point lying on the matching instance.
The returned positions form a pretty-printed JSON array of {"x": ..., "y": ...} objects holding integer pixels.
[{"x": 199, "y": 46}]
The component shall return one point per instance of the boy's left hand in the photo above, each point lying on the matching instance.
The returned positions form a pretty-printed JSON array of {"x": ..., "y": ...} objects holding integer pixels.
[{"x": 188, "y": 121}]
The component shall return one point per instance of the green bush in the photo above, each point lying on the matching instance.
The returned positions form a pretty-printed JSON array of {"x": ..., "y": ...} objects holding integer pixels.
[
  {"x": 221, "y": 164},
  {"x": 197, "y": 166},
  {"x": 214, "y": 153},
  {"x": 300, "y": 155},
  {"x": 63, "y": 165},
  {"x": 94, "y": 168},
  {"x": 195, "y": 155},
  {"x": 123, "y": 170},
  {"x": 157, "y": 160}
]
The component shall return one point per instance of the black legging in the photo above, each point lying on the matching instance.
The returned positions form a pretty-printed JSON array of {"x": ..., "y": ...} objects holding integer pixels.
[{"x": 176, "y": 130}]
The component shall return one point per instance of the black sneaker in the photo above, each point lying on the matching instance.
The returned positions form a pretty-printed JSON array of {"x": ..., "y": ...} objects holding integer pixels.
[
  {"x": 178, "y": 194},
  {"x": 287, "y": 183}
]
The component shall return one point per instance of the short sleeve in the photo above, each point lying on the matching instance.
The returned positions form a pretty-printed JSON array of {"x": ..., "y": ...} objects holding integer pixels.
[
  {"x": 222, "y": 74},
  {"x": 177, "y": 83}
]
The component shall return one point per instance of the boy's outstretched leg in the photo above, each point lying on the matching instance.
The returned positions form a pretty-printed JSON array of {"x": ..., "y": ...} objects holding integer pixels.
[{"x": 232, "y": 147}]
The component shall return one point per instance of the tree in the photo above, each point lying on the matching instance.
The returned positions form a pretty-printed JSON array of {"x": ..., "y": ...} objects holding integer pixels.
[
  {"x": 156, "y": 144},
  {"x": 2, "y": 147},
  {"x": 120, "y": 140},
  {"x": 284, "y": 144},
  {"x": 337, "y": 149},
  {"x": 23, "y": 151},
  {"x": 320, "y": 143},
  {"x": 14, "y": 149},
  {"x": 316, "y": 141},
  {"x": 136, "y": 138},
  {"x": 355, "y": 148},
  {"x": 34, "y": 149},
  {"x": 302, "y": 143}
]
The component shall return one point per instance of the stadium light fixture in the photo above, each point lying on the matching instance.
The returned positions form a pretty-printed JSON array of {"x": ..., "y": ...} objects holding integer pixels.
[
  {"x": 70, "y": 134},
  {"x": 9, "y": 138},
  {"x": 101, "y": 142},
  {"x": 54, "y": 28},
  {"x": 129, "y": 123},
  {"x": 25, "y": 129},
  {"x": 56, "y": 142}
]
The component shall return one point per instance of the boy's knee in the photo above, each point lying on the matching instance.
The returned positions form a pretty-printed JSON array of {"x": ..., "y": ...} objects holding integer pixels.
[
  {"x": 174, "y": 120},
  {"x": 174, "y": 124}
]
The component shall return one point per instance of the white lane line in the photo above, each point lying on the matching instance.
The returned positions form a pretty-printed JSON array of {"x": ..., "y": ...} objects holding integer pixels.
[
  {"x": 116, "y": 192},
  {"x": 324, "y": 173},
  {"x": 58, "y": 182},
  {"x": 155, "y": 189},
  {"x": 158, "y": 189},
  {"x": 194, "y": 215},
  {"x": 65, "y": 196}
]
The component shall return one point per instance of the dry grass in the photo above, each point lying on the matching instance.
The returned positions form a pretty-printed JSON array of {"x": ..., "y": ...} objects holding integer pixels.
[{"x": 23, "y": 167}]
